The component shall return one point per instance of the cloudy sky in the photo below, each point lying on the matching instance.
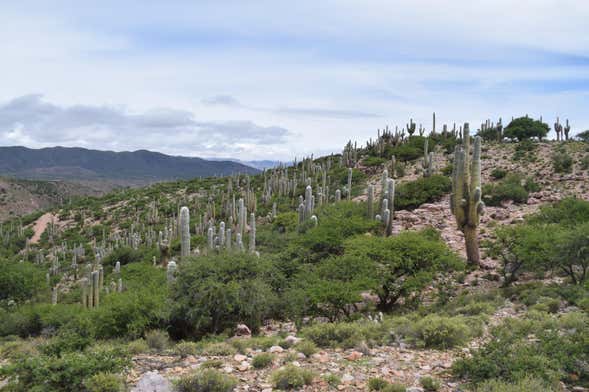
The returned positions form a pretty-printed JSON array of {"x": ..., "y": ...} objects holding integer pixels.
[{"x": 273, "y": 79}]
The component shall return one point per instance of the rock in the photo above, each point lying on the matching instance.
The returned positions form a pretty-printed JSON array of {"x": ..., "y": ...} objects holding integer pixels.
[
  {"x": 243, "y": 366},
  {"x": 228, "y": 369},
  {"x": 347, "y": 378},
  {"x": 414, "y": 389},
  {"x": 242, "y": 330},
  {"x": 152, "y": 382},
  {"x": 292, "y": 340},
  {"x": 354, "y": 356},
  {"x": 239, "y": 357},
  {"x": 276, "y": 349}
]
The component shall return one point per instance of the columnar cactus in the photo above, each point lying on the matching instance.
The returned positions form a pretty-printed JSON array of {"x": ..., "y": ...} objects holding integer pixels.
[
  {"x": 95, "y": 289},
  {"x": 171, "y": 271},
  {"x": 370, "y": 202},
  {"x": 252, "y": 232},
  {"x": 465, "y": 202},
  {"x": 428, "y": 160},
  {"x": 349, "y": 184},
  {"x": 184, "y": 232}
]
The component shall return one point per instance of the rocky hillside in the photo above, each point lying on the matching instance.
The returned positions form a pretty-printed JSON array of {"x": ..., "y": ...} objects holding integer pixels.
[
  {"x": 22, "y": 197},
  {"x": 265, "y": 283}
]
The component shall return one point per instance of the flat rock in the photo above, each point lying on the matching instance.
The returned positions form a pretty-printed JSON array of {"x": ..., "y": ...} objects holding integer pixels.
[{"x": 152, "y": 382}]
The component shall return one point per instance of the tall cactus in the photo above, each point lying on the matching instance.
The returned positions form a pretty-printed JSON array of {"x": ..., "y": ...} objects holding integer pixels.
[
  {"x": 349, "y": 184},
  {"x": 185, "y": 232},
  {"x": 252, "y": 233},
  {"x": 428, "y": 160},
  {"x": 465, "y": 202},
  {"x": 370, "y": 202}
]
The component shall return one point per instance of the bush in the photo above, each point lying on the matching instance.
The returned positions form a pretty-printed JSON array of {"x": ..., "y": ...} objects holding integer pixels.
[
  {"x": 429, "y": 384},
  {"x": 67, "y": 372},
  {"x": 157, "y": 340},
  {"x": 306, "y": 347},
  {"x": 208, "y": 380},
  {"x": 215, "y": 293},
  {"x": 263, "y": 360},
  {"x": 125, "y": 255},
  {"x": 540, "y": 346},
  {"x": 20, "y": 281},
  {"x": 221, "y": 349},
  {"x": 410, "y": 195},
  {"x": 567, "y": 212},
  {"x": 562, "y": 162},
  {"x": 525, "y": 385},
  {"x": 377, "y": 384},
  {"x": 105, "y": 382},
  {"x": 185, "y": 349},
  {"x": 498, "y": 173},
  {"x": 510, "y": 188},
  {"x": 526, "y": 128},
  {"x": 291, "y": 377},
  {"x": 138, "y": 346},
  {"x": 441, "y": 332},
  {"x": 347, "y": 335}
]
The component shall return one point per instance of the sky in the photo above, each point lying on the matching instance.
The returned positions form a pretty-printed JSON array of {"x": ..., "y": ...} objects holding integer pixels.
[{"x": 251, "y": 80}]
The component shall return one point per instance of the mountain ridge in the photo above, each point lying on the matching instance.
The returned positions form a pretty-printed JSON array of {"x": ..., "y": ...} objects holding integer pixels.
[{"x": 74, "y": 163}]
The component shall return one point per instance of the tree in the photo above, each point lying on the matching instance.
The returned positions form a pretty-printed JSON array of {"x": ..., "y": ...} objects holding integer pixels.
[
  {"x": 404, "y": 264},
  {"x": 583, "y": 136},
  {"x": 522, "y": 248},
  {"x": 214, "y": 293},
  {"x": 526, "y": 128},
  {"x": 571, "y": 253}
]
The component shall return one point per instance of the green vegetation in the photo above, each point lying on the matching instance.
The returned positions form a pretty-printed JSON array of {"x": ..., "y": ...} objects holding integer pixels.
[
  {"x": 208, "y": 380},
  {"x": 526, "y": 128},
  {"x": 291, "y": 377},
  {"x": 410, "y": 195}
]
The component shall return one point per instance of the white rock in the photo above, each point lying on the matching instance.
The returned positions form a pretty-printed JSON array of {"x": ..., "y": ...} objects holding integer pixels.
[
  {"x": 347, "y": 378},
  {"x": 152, "y": 382},
  {"x": 276, "y": 349}
]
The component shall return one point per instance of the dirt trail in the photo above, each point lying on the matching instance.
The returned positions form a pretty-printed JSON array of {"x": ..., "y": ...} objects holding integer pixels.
[{"x": 40, "y": 226}]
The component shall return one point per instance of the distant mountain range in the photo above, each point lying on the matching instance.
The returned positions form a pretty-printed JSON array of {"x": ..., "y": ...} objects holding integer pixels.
[{"x": 64, "y": 163}]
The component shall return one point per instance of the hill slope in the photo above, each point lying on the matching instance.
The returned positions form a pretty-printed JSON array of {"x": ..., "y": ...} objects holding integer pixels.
[{"x": 79, "y": 163}]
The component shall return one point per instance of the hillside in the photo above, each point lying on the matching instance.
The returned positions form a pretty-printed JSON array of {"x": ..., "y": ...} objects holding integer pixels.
[
  {"x": 21, "y": 197},
  {"x": 61, "y": 163},
  {"x": 295, "y": 279}
]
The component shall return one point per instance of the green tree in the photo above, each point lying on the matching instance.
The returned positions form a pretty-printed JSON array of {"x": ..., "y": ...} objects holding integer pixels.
[{"x": 523, "y": 128}]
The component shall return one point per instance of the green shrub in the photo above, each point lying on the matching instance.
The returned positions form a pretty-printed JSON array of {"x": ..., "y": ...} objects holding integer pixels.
[
  {"x": 525, "y": 385},
  {"x": 395, "y": 387},
  {"x": 585, "y": 162},
  {"x": 510, "y": 188},
  {"x": 20, "y": 281},
  {"x": 347, "y": 334},
  {"x": 105, "y": 382},
  {"x": 567, "y": 212},
  {"x": 138, "y": 346},
  {"x": 208, "y": 380},
  {"x": 291, "y": 377},
  {"x": 212, "y": 364},
  {"x": 373, "y": 161},
  {"x": 410, "y": 195},
  {"x": 221, "y": 349},
  {"x": 262, "y": 360},
  {"x": 67, "y": 372},
  {"x": 562, "y": 162},
  {"x": 377, "y": 384},
  {"x": 225, "y": 289},
  {"x": 332, "y": 379},
  {"x": 498, "y": 173},
  {"x": 306, "y": 347},
  {"x": 429, "y": 384},
  {"x": 184, "y": 349},
  {"x": 157, "y": 340},
  {"x": 125, "y": 255},
  {"x": 441, "y": 332},
  {"x": 540, "y": 346}
]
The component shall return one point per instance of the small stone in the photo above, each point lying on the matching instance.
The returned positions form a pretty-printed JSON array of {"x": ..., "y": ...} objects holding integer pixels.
[
  {"x": 347, "y": 378},
  {"x": 239, "y": 357},
  {"x": 414, "y": 389},
  {"x": 243, "y": 366},
  {"x": 228, "y": 369},
  {"x": 354, "y": 356},
  {"x": 242, "y": 330},
  {"x": 292, "y": 340},
  {"x": 276, "y": 349}
]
